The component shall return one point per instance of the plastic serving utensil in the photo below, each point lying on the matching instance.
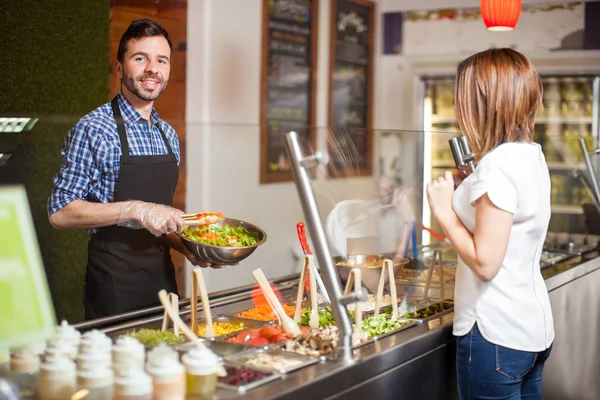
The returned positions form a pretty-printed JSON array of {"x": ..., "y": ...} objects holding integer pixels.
[
  {"x": 306, "y": 249},
  {"x": 288, "y": 324}
]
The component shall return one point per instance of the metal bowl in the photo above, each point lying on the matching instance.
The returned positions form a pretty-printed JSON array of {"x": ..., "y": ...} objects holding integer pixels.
[
  {"x": 225, "y": 255},
  {"x": 370, "y": 268}
]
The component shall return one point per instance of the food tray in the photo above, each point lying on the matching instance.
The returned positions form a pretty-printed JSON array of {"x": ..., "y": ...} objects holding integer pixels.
[
  {"x": 372, "y": 339},
  {"x": 243, "y": 358},
  {"x": 447, "y": 307},
  {"x": 248, "y": 323},
  {"x": 248, "y": 331},
  {"x": 289, "y": 300},
  {"x": 267, "y": 377},
  {"x": 549, "y": 258},
  {"x": 221, "y": 349}
]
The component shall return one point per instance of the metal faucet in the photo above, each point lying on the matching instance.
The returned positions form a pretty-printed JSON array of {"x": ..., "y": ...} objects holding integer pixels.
[
  {"x": 462, "y": 153},
  {"x": 299, "y": 165},
  {"x": 591, "y": 180}
]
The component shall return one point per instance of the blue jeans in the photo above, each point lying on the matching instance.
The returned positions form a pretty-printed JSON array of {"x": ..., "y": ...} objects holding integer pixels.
[{"x": 488, "y": 371}]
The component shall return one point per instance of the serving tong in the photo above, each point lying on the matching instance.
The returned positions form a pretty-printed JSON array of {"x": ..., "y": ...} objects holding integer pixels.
[
  {"x": 308, "y": 268},
  {"x": 289, "y": 325},
  {"x": 202, "y": 219},
  {"x": 170, "y": 311},
  {"x": 198, "y": 284},
  {"x": 174, "y": 299},
  {"x": 355, "y": 277}
]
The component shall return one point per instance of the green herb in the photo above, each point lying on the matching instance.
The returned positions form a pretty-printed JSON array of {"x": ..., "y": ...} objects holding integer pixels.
[
  {"x": 154, "y": 337},
  {"x": 223, "y": 236},
  {"x": 325, "y": 317},
  {"x": 379, "y": 324}
]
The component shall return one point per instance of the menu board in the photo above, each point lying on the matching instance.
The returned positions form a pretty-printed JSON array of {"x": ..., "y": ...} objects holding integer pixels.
[
  {"x": 351, "y": 88},
  {"x": 288, "y": 82}
]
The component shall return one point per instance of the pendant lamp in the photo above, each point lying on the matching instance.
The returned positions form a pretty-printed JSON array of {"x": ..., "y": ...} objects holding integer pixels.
[{"x": 501, "y": 15}]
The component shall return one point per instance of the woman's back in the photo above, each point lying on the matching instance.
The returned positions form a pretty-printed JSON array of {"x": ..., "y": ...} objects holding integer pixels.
[{"x": 513, "y": 309}]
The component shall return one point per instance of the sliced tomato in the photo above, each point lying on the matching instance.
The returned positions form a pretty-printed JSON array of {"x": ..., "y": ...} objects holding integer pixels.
[
  {"x": 269, "y": 331},
  {"x": 257, "y": 341}
]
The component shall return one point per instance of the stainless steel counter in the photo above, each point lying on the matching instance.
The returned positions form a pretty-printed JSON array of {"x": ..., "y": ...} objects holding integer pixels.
[{"x": 419, "y": 362}]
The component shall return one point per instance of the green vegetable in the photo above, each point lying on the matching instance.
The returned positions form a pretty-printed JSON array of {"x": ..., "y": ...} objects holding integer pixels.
[
  {"x": 154, "y": 337},
  {"x": 325, "y": 317},
  {"x": 224, "y": 236},
  {"x": 379, "y": 324}
]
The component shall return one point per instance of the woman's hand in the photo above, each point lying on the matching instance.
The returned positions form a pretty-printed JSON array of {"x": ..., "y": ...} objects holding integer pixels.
[
  {"x": 439, "y": 195},
  {"x": 461, "y": 174}
]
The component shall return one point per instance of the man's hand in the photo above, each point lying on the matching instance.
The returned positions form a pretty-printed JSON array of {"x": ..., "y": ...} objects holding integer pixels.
[{"x": 156, "y": 218}]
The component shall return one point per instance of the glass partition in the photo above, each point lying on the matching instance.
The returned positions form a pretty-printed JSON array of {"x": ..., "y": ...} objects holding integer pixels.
[{"x": 370, "y": 212}]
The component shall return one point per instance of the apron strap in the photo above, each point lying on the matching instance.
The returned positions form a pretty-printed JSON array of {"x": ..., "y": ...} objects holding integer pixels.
[
  {"x": 121, "y": 129},
  {"x": 162, "y": 133}
]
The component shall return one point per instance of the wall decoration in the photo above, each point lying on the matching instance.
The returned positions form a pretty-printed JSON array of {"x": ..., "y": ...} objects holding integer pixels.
[
  {"x": 591, "y": 27},
  {"x": 475, "y": 13},
  {"x": 392, "y": 33},
  {"x": 288, "y": 84},
  {"x": 350, "y": 142}
]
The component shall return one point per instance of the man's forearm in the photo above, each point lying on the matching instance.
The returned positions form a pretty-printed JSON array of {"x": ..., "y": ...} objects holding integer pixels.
[{"x": 86, "y": 215}]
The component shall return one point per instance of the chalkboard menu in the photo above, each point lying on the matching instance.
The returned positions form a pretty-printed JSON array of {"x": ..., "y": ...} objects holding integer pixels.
[
  {"x": 288, "y": 82},
  {"x": 351, "y": 88}
]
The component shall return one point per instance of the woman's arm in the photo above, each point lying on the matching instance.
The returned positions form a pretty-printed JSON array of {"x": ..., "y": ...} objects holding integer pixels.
[{"x": 484, "y": 251}]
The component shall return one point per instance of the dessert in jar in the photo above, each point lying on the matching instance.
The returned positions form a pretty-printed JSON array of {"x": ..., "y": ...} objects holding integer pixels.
[
  {"x": 56, "y": 380},
  {"x": 202, "y": 368},
  {"x": 24, "y": 366},
  {"x": 168, "y": 374},
  {"x": 131, "y": 383},
  {"x": 128, "y": 351}
]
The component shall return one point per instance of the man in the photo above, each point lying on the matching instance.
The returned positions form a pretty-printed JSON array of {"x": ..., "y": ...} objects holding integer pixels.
[{"x": 117, "y": 180}]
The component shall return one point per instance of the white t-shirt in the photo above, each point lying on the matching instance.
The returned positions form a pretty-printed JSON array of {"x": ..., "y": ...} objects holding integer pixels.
[{"x": 513, "y": 310}]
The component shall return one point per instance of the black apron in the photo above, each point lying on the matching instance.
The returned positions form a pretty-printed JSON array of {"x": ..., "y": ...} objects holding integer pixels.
[{"x": 128, "y": 267}]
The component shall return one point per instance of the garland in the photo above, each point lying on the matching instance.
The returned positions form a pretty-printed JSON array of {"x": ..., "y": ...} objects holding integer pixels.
[{"x": 454, "y": 14}]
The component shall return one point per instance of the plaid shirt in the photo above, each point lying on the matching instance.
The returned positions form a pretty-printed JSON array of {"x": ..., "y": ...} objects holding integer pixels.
[{"x": 91, "y": 153}]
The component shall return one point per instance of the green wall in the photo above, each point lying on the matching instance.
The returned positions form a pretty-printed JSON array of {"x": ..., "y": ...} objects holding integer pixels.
[{"x": 54, "y": 63}]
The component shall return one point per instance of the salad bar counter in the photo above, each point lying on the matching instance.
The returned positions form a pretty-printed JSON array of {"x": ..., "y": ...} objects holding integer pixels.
[{"x": 411, "y": 356}]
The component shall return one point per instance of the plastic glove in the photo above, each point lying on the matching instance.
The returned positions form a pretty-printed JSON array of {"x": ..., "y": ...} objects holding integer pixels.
[{"x": 156, "y": 218}]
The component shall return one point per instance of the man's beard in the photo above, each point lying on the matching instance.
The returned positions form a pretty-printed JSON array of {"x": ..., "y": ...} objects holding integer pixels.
[{"x": 134, "y": 86}]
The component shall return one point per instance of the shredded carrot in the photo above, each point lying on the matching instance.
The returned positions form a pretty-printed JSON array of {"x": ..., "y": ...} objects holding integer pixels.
[{"x": 264, "y": 312}]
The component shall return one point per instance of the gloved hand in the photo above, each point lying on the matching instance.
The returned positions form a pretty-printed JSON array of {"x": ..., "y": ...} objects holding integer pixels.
[{"x": 156, "y": 218}]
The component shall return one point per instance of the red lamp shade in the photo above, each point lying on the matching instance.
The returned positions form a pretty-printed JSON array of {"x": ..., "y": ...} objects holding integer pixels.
[{"x": 501, "y": 15}]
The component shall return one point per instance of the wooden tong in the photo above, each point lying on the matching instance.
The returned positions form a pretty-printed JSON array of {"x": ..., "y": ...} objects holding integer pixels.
[
  {"x": 355, "y": 277},
  {"x": 164, "y": 299},
  {"x": 436, "y": 255},
  {"x": 202, "y": 219},
  {"x": 308, "y": 268},
  {"x": 387, "y": 264},
  {"x": 198, "y": 284},
  {"x": 288, "y": 324},
  {"x": 174, "y": 299}
]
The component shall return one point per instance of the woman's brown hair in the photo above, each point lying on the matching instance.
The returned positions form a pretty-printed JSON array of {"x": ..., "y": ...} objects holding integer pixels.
[{"x": 497, "y": 95}]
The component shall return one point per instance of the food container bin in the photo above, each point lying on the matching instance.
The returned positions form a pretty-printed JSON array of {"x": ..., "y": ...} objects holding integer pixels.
[
  {"x": 260, "y": 336},
  {"x": 272, "y": 360},
  {"x": 242, "y": 378},
  {"x": 229, "y": 323},
  {"x": 221, "y": 349}
]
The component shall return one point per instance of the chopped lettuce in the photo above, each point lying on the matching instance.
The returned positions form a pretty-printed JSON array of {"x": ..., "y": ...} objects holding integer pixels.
[{"x": 224, "y": 236}]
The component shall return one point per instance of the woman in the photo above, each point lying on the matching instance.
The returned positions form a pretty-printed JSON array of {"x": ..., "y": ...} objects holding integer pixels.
[{"x": 497, "y": 221}]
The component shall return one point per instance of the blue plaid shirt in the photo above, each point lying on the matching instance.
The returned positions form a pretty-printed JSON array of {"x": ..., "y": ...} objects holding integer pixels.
[{"x": 91, "y": 153}]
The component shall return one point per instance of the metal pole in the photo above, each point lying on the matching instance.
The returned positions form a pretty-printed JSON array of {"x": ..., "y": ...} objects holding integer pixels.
[
  {"x": 592, "y": 173},
  {"x": 311, "y": 212}
]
